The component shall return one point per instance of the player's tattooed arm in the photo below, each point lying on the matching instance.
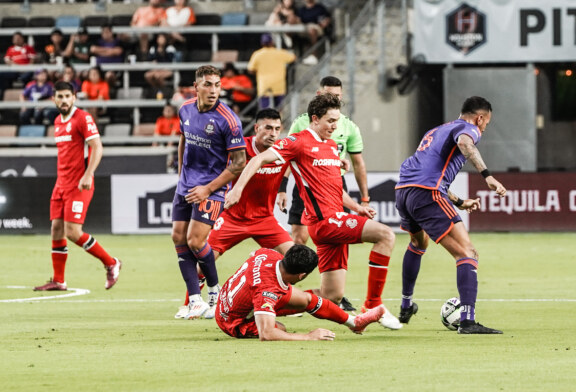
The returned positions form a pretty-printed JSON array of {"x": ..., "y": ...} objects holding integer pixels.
[
  {"x": 470, "y": 152},
  {"x": 238, "y": 162}
]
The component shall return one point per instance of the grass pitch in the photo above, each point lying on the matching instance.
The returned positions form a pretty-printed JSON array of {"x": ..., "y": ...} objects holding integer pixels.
[{"x": 126, "y": 339}]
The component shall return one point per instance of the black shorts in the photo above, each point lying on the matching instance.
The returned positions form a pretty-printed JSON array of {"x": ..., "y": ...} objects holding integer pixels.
[{"x": 297, "y": 207}]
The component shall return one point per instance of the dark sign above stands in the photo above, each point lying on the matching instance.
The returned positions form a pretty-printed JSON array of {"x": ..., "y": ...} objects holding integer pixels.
[{"x": 495, "y": 31}]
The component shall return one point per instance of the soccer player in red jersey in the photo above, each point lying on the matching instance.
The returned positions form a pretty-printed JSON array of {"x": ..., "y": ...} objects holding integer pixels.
[
  {"x": 79, "y": 153},
  {"x": 315, "y": 163},
  {"x": 262, "y": 289},
  {"x": 254, "y": 217}
]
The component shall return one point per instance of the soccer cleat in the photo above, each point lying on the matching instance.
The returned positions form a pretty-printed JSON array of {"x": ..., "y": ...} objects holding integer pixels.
[
  {"x": 51, "y": 285},
  {"x": 407, "y": 313},
  {"x": 470, "y": 327},
  {"x": 371, "y": 316},
  {"x": 212, "y": 301},
  {"x": 182, "y": 312},
  {"x": 112, "y": 274},
  {"x": 388, "y": 320},
  {"x": 196, "y": 308},
  {"x": 346, "y": 305}
]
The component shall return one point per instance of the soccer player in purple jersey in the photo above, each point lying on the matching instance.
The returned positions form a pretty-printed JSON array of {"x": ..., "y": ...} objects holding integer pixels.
[
  {"x": 426, "y": 207},
  {"x": 211, "y": 153}
]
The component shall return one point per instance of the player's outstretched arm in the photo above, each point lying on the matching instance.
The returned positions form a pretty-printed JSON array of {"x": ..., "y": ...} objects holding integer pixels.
[
  {"x": 233, "y": 197},
  {"x": 267, "y": 331}
]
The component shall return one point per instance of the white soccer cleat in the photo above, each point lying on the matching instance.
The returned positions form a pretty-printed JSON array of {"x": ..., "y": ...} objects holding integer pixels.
[
  {"x": 388, "y": 320},
  {"x": 112, "y": 274},
  {"x": 182, "y": 312},
  {"x": 212, "y": 301},
  {"x": 196, "y": 308}
]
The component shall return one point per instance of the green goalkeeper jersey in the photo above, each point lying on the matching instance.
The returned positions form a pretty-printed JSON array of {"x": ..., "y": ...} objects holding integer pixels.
[{"x": 347, "y": 134}]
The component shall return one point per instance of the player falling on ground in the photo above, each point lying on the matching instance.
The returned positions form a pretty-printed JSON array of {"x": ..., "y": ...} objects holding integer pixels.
[
  {"x": 315, "y": 164},
  {"x": 254, "y": 217},
  {"x": 79, "y": 153},
  {"x": 425, "y": 206},
  {"x": 211, "y": 153},
  {"x": 262, "y": 289}
]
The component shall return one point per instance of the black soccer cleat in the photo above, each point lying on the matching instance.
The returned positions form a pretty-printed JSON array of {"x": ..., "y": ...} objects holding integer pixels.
[
  {"x": 469, "y": 327},
  {"x": 407, "y": 313},
  {"x": 346, "y": 306}
]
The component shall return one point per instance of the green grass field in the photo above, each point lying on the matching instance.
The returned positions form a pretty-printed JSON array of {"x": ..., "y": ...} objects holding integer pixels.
[{"x": 127, "y": 339}]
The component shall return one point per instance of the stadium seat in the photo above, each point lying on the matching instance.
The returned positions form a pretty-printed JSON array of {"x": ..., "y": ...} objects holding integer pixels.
[
  {"x": 41, "y": 21},
  {"x": 144, "y": 129},
  {"x": 131, "y": 93},
  {"x": 68, "y": 21},
  {"x": 118, "y": 129},
  {"x": 31, "y": 131},
  {"x": 14, "y": 21},
  {"x": 232, "y": 41},
  {"x": 96, "y": 20},
  {"x": 120, "y": 20},
  {"x": 12, "y": 94},
  {"x": 8, "y": 130},
  {"x": 234, "y": 19},
  {"x": 225, "y": 56},
  {"x": 258, "y": 18},
  {"x": 208, "y": 19}
]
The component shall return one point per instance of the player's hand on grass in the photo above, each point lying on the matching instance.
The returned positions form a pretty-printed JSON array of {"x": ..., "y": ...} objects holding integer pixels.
[
  {"x": 321, "y": 334},
  {"x": 496, "y": 186},
  {"x": 197, "y": 194}
]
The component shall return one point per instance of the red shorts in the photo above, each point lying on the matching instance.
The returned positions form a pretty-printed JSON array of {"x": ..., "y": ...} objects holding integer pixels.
[
  {"x": 238, "y": 328},
  {"x": 228, "y": 231},
  {"x": 70, "y": 204},
  {"x": 332, "y": 236}
]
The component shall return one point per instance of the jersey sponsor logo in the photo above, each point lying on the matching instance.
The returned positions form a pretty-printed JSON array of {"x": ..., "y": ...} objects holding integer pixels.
[
  {"x": 89, "y": 119},
  {"x": 63, "y": 138},
  {"x": 235, "y": 140},
  {"x": 258, "y": 260},
  {"x": 92, "y": 128},
  {"x": 270, "y": 295},
  {"x": 291, "y": 138},
  {"x": 268, "y": 306},
  {"x": 351, "y": 223},
  {"x": 269, "y": 170},
  {"x": 326, "y": 162},
  {"x": 77, "y": 216},
  {"x": 77, "y": 206},
  {"x": 315, "y": 149},
  {"x": 209, "y": 128}
]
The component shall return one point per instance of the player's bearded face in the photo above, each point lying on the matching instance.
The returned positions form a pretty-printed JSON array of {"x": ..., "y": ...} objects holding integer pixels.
[{"x": 64, "y": 100}]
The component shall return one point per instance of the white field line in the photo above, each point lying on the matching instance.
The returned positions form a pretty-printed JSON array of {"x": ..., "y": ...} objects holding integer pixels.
[{"x": 77, "y": 291}]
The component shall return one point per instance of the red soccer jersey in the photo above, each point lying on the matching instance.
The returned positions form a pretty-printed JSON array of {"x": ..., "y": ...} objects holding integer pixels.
[
  {"x": 71, "y": 135},
  {"x": 259, "y": 195},
  {"x": 20, "y": 54},
  {"x": 256, "y": 288},
  {"x": 316, "y": 168}
]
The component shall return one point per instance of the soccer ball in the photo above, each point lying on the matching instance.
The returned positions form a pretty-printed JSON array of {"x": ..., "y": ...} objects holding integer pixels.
[{"x": 450, "y": 313}]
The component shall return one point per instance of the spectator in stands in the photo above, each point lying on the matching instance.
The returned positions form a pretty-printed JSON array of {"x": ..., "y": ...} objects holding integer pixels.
[
  {"x": 95, "y": 88},
  {"x": 147, "y": 16},
  {"x": 284, "y": 14},
  {"x": 78, "y": 49},
  {"x": 108, "y": 49},
  {"x": 19, "y": 53},
  {"x": 168, "y": 124},
  {"x": 184, "y": 92},
  {"x": 238, "y": 87},
  {"x": 69, "y": 76},
  {"x": 318, "y": 23},
  {"x": 39, "y": 89},
  {"x": 55, "y": 48},
  {"x": 179, "y": 15},
  {"x": 269, "y": 64},
  {"x": 160, "y": 52}
]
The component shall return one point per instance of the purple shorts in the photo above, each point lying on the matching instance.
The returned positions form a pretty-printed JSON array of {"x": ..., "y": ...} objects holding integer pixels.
[
  {"x": 206, "y": 212},
  {"x": 425, "y": 209}
]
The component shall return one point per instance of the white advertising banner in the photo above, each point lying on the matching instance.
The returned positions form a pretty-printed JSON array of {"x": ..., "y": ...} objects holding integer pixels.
[{"x": 480, "y": 31}]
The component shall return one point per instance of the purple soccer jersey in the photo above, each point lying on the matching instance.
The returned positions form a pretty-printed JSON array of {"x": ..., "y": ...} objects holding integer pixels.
[
  {"x": 210, "y": 137},
  {"x": 437, "y": 159}
]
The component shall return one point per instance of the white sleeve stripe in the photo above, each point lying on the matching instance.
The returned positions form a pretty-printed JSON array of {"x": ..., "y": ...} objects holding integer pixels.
[
  {"x": 277, "y": 154},
  {"x": 92, "y": 137}
]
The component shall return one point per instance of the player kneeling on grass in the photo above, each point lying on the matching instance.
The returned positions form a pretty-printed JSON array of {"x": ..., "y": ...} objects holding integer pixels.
[{"x": 262, "y": 289}]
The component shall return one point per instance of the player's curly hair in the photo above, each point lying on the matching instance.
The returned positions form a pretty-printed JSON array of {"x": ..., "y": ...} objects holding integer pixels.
[
  {"x": 207, "y": 70},
  {"x": 320, "y": 105},
  {"x": 300, "y": 259},
  {"x": 473, "y": 104}
]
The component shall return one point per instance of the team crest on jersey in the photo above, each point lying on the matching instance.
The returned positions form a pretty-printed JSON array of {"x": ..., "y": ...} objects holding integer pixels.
[
  {"x": 282, "y": 143},
  {"x": 351, "y": 223},
  {"x": 235, "y": 130},
  {"x": 68, "y": 127},
  {"x": 209, "y": 128}
]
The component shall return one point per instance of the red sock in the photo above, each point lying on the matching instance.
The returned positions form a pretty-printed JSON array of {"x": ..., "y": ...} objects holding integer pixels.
[
  {"x": 378, "y": 270},
  {"x": 187, "y": 299},
  {"x": 325, "y": 309},
  {"x": 59, "y": 256},
  {"x": 92, "y": 246}
]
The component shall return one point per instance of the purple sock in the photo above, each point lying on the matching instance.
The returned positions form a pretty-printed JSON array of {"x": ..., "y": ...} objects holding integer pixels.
[
  {"x": 207, "y": 262},
  {"x": 467, "y": 282},
  {"x": 410, "y": 270},
  {"x": 187, "y": 263}
]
